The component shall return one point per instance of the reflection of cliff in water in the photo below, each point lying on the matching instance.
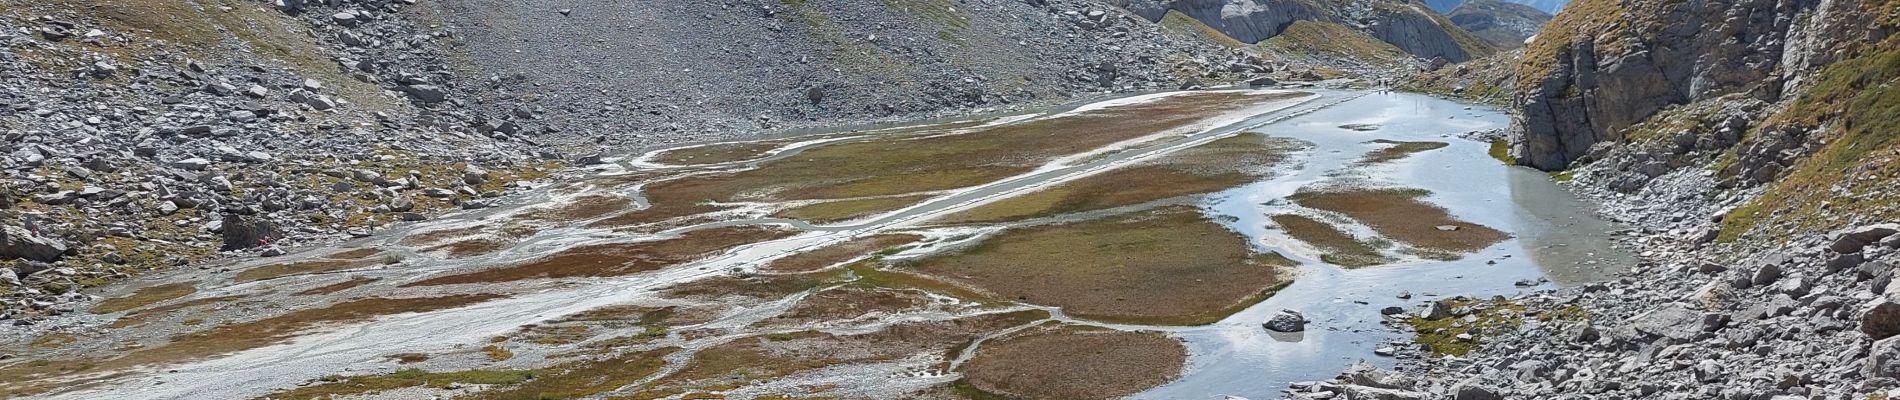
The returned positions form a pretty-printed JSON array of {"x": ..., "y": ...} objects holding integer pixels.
[{"x": 1571, "y": 247}]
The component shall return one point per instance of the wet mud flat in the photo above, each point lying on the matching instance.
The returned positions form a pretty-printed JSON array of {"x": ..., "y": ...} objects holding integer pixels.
[
  {"x": 696, "y": 280},
  {"x": 1123, "y": 249}
]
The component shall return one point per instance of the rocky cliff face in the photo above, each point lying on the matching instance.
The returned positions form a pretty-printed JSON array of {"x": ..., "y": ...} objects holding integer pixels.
[
  {"x": 1605, "y": 65},
  {"x": 1407, "y": 24}
]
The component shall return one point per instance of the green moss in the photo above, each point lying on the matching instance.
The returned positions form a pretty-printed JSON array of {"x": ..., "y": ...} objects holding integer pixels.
[
  {"x": 1440, "y": 337},
  {"x": 1501, "y": 151}
]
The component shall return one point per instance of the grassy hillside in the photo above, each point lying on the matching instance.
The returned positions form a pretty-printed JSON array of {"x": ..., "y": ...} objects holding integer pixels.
[{"x": 1327, "y": 40}]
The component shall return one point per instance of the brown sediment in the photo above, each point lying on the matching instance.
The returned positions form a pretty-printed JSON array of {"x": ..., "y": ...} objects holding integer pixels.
[
  {"x": 847, "y": 303},
  {"x": 235, "y": 337},
  {"x": 585, "y": 325},
  {"x": 1166, "y": 266},
  {"x": 339, "y": 286},
  {"x": 1073, "y": 362},
  {"x": 441, "y": 235},
  {"x": 145, "y": 296},
  {"x": 296, "y": 268},
  {"x": 832, "y": 255},
  {"x": 577, "y": 379},
  {"x": 616, "y": 259},
  {"x": 1399, "y": 150},
  {"x": 355, "y": 254},
  {"x": 761, "y": 287},
  {"x": 580, "y": 208},
  {"x": 1207, "y": 168},
  {"x": 845, "y": 210},
  {"x": 1401, "y": 215},
  {"x": 1341, "y": 249},
  {"x": 898, "y": 165},
  {"x": 138, "y": 317},
  {"x": 344, "y": 260},
  {"x": 471, "y": 247},
  {"x": 717, "y": 153},
  {"x": 744, "y": 361}
]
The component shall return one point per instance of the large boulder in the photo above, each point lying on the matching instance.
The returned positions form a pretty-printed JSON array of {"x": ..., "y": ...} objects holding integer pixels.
[
  {"x": 19, "y": 243},
  {"x": 1286, "y": 321},
  {"x": 1880, "y": 318},
  {"x": 1883, "y": 361},
  {"x": 1851, "y": 240},
  {"x": 243, "y": 233}
]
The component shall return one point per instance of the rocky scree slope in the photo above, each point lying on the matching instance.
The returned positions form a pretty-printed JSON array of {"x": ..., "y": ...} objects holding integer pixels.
[
  {"x": 629, "y": 74},
  {"x": 1547, "y": 6},
  {"x": 141, "y": 135},
  {"x": 1406, "y": 24},
  {"x": 1750, "y": 143},
  {"x": 1506, "y": 25}
]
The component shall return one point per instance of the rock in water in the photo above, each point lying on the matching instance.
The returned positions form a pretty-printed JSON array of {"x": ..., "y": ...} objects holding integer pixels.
[
  {"x": 243, "y": 233},
  {"x": 1287, "y": 321},
  {"x": 19, "y": 243}
]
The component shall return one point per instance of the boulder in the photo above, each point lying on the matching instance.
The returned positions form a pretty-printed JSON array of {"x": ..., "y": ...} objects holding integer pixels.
[
  {"x": 1437, "y": 311},
  {"x": 1883, "y": 360},
  {"x": 1286, "y": 321},
  {"x": 1470, "y": 391},
  {"x": 19, "y": 243},
  {"x": 426, "y": 93},
  {"x": 1851, "y": 240},
  {"x": 1880, "y": 318},
  {"x": 243, "y": 233}
]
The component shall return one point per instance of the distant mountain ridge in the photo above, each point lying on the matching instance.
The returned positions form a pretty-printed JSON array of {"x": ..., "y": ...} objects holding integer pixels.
[
  {"x": 1408, "y": 25},
  {"x": 1547, "y": 6}
]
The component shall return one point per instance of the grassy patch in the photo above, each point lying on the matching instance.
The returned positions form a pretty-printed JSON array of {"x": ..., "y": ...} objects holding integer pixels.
[
  {"x": 845, "y": 210},
  {"x": 580, "y": 208},
  {"x": 145, "y": 296},
  {"x": 1073, "y": 362},
  {"x": 1501, "y": 151},
  {"x": 334, "y": 386},
  {"x": 916, "y": 161},
  {"x": 1335, "y": 41},
  {"x": 497, "y": 353},
  {"x": 1207, "y": 168},
  {"x": 1399, "y": 150},
  {"x": 1182, "y": 24},
  {"x": 717, "y": 153},
  {"x": 760, "y": 358},
  {"x": 838, "y": 253},
  {"x": 237, "y": 337},
  {"x": 1441, "y": 337},
  {"x": 1341, "y": 249},
  {"x": 1399, "y": 214},
  {"x": 617, "y": 259},
  {"x": 1169, "y": 266},
  {"x": 1853, "y": 102}
]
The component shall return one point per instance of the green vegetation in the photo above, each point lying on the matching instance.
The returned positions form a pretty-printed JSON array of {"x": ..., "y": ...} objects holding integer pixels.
[
  {"x": 1399, "y": 150},
  {"x": 717, "y": 153},
  {"x": 915, "y": 161},
  {"x": 1402, "y": 215},
  {"x": 1170, "y": 266},
  {"x": 845, "y": 210},
  {"x": 1341, "y": 249},
  {"x": 1182, "y": 24},
  {"x": 338, "y": 386},
  {"x": 1440, "y": 337},
  {"x": 145, "y": 296},
  {"x": 1207, "y": 168},
  {"x": 1072, "y": 362},
  {"x": 1501, "y": 150},
  {"x": 1335, "y": 41},
  {"x": 1855, "y": 100}
]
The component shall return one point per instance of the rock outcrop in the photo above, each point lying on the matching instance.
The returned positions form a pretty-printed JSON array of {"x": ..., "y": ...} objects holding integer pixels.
[
  {"x": 1604, "y": 65},
  {"x": 1504, "y": 24}
]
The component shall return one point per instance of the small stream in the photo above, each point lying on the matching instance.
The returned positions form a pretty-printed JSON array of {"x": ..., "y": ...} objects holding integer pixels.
[{"x": 1555, "y": 238}]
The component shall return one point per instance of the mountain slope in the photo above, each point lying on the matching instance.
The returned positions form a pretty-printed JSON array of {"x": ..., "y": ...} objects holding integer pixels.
[
  {"x": 1407, "y": 24},
  {"x": 1546, "y": 6},
  {"x": 1505, "y": 25}
]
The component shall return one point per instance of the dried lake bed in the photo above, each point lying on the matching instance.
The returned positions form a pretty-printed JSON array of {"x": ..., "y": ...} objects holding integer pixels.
[{"x": 1128, "y": 248}]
